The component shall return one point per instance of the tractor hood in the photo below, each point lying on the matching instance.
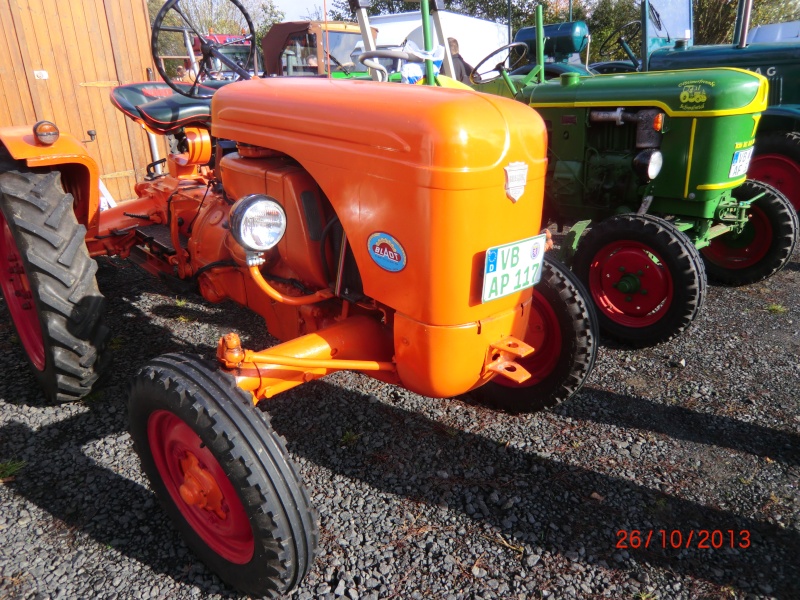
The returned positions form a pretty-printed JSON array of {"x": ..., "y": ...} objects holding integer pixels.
[{"x": 695, "y": 92}]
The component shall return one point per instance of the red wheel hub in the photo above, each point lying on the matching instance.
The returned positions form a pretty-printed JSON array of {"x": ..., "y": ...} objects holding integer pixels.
[
  {"x": 747, "y": 248},
  {"x": 199, "y": 487},
  {"x": 780, "y": 172},
  {"x": 18, "y": 295},
  {"x": 544, "y": 334},
  {"x": 630, "y": 283}
]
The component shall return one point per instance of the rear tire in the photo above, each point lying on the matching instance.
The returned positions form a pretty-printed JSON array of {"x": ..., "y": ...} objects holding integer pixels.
[
  {"x": 765, "y": 245},
  {"x": 564, "y": 332},
  {"x": 777, "y": 163},
  {"x": 222, "y": 474},
  {"x": 645, "y": 276},
  {"x": 48, "y": 281}
]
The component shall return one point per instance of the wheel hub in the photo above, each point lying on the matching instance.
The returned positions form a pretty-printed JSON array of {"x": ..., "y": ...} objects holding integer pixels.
[
  {"x": 199, "y": 488},
  {"x": 632, "y": 283}
]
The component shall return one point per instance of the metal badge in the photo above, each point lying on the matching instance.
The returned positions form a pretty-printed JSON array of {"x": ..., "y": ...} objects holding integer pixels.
[{"x": 516, "y": 178}]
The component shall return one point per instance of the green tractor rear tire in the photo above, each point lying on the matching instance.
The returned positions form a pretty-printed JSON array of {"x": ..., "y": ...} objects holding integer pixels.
[
  {"x": 764, "y": 246},
  {"x": 777, "y": 163},
  {"x": 645, "y": 277}
]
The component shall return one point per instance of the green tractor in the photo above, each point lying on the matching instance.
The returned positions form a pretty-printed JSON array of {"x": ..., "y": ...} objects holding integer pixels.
[
  {"x": 649, "y": 170},
  {"x": 667, "y": 45}
]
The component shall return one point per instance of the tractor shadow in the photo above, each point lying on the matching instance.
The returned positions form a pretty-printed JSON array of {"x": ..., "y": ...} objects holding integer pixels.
[
  {"x": 114, "y": 507},
  {"x": 389, "y": 457}
]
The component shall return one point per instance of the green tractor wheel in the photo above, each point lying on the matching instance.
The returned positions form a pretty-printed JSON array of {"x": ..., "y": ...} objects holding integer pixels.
[
  {"x": 764, "y": 246},
  {"x": 222, "y": 474},
  {"x": 777, "y": 163},
  {"x": 645, "y": 276}
]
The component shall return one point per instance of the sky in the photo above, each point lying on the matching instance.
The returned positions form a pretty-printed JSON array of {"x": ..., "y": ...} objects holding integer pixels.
[{"x": 298, "y": 9}]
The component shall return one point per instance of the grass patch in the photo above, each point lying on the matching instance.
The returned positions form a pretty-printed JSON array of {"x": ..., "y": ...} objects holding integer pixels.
[
  {"x": 10, "y": 468},
  {"x": 349, "y": 438},
  {"x": 180, "y": 302},
  {"x": 777, "y": 309}
]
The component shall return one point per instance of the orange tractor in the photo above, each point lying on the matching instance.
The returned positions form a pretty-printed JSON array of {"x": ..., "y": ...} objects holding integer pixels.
[{"x": 398, "y": 239}]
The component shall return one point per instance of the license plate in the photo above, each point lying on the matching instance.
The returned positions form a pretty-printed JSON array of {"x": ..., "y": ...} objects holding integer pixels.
[
  {"x": 741, "y": 160},
  {"x": 512, "y": 267}
]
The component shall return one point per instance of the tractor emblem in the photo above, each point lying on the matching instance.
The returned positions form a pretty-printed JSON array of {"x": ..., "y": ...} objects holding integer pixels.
[
  {"x": 694, "y": 94},
  {"x": 387, "y": 252},
  {"x": 516, "y": 178}
]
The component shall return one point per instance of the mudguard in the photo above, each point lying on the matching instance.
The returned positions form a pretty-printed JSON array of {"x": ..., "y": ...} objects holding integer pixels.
[{"x": 80, "y": 174}]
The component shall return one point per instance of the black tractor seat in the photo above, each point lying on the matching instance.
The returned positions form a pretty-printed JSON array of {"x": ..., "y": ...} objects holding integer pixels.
[{"x": 160, "y": 107}]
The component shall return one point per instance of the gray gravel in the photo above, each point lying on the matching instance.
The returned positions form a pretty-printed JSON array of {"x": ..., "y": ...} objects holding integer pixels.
[{"x": 424, "y": 498}]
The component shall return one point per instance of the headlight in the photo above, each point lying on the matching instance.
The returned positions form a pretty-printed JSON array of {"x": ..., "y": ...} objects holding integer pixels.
[
  {"x": 257, "y": 222},
  {"x": 648, "y": 163}
]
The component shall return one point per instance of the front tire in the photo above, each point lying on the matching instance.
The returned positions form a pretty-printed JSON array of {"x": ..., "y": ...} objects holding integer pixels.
[
  {"x": 48, "y": 281},
  {"x": 563, "y": 330},
  {"x": 645, "y": 276},
  {"x": 765, "y": 244},
  {"x": 222, "y": 474}
]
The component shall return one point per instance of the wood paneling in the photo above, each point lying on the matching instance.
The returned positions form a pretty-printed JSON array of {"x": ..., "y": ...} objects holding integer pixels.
[{"x": 86, "y": 47}]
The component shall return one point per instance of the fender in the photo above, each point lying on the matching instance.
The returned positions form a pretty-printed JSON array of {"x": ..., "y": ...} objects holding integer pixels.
[
  {"x": 80, "y": 174},
  {"x": 785, "y": 117}
]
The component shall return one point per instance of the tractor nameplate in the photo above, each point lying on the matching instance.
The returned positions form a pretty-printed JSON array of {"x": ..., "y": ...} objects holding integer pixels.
[
  {"x": 386, "y": 251},
  {"x": 516, "y": 178},
  {"x": 513, "y": 267}
]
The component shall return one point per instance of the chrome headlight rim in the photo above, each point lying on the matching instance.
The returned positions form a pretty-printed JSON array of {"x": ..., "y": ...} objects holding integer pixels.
[{"x": 241, "y": 214}]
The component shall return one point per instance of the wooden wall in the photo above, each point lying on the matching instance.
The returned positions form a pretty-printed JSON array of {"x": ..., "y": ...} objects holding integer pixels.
[{"x": 86, "y": 47}]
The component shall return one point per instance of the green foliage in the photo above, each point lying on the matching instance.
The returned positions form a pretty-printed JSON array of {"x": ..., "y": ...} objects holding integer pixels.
[{"x": 10, "y": 468}]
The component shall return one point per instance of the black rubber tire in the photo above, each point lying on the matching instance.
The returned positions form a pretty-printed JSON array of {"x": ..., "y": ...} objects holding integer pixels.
[
  {"x": 680, "y": 257},
  {"x": 70, "y": 308},
  {"x": 785, "y": 143},
  {"x": 783, "y": 222},
  {"x": 253, "y": 458},
  {"x": 577, "y": 322}
]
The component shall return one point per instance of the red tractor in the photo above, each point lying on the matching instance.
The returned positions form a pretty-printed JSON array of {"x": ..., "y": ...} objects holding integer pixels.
[{"x": 391, "y": 230}]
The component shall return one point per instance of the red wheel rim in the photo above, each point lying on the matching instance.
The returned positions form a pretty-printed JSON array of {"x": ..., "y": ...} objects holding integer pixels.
[
  {"x": 19, "y": 298},
  {"x": 630, "y": 284},
  {"x": 544, "y": 334},
  {"x": 747, "y": 248},
  {"x": 200, "y": 488},
  {"x": 780, "y": 172}
]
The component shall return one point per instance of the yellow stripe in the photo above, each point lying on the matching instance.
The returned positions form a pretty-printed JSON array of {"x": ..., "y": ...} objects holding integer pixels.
[
  {"x": 722, "y": 186},
  {"x": 757, "y": 104},
  {"x": 689, "y": 162}
]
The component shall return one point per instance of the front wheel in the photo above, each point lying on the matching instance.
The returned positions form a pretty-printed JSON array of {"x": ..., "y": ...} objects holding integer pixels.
[
  {"x": 765, "y": 244},
  {"x": 645, "y": 276},
  {"x": 563, "y": 330},
  {"x": 222, "y": 474}
]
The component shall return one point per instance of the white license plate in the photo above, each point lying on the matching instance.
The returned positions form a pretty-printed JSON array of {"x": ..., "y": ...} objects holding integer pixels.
[
  {"x": 741, "y": 160},
  {"x": 513, "y": 267}
]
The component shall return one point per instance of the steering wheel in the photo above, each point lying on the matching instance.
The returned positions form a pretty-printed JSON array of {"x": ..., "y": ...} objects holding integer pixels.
[
  {"x": 617, "y": 37},
  {"x": 476, "y": 77},
  {"x": 173, "y": 27},
  {"x": 365, "y": 58}
]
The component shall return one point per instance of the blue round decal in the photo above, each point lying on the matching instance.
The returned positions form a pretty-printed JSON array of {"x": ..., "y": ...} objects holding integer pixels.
[{"x": 386, "y": 251}]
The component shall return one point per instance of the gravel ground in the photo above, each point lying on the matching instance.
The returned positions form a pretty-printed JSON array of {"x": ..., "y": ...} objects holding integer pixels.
[{"x": 424, "y": 498}]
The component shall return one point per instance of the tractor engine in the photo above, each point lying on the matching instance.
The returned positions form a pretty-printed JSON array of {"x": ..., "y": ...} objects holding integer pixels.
[{"x": 607, "y": 161}]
